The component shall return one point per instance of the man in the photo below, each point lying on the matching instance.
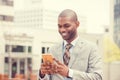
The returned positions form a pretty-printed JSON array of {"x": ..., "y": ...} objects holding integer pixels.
[{"x": 83, "y": 61}]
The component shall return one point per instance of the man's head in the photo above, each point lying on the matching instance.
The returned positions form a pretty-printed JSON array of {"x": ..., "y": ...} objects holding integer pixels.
[{"x": 68, "y": 24}]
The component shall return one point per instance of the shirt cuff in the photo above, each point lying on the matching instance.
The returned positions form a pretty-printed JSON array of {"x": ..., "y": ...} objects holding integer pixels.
[
  {"x": 45, "y": 78},
  {"x": 70, "y": 73}
]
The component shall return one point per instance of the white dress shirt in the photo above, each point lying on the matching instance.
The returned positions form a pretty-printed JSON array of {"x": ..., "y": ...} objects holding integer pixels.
[{"x": 70, "y": 74}]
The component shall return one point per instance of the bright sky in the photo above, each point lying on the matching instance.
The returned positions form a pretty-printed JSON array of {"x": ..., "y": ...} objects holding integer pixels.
[{"x": 95, "y": 11}]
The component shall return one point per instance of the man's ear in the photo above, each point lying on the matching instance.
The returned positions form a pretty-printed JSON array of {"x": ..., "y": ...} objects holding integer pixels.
[{"x": 77, "y": 23}]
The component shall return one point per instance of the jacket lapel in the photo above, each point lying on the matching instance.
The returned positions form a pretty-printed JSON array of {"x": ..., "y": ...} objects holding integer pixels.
[
  {"x": 75, "y": 52},
  {"x": 60, "y": 53}
]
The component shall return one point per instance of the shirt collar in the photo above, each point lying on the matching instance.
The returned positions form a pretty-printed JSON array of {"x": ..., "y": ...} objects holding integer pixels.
[{"x": 73, "y": 42}]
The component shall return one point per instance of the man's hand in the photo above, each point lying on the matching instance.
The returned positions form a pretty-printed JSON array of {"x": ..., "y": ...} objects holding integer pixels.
[
  {"x": 46, "y": 68},
  {"x": 61, "y": 68},
  {"x": 54, "y": 68}
]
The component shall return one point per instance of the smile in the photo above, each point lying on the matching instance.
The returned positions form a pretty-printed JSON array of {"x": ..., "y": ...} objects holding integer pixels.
[{"x": 64, "y": 34}]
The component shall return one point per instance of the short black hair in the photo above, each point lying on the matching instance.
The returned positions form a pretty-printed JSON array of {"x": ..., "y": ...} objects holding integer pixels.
[{"x": 68, "y": 13}]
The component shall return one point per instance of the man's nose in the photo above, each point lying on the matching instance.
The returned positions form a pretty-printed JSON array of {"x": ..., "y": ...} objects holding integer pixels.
[{"x": 62, "y": 29}]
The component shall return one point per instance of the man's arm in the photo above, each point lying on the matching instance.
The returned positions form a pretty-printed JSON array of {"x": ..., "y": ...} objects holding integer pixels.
[
  {"x": 46, "y": 77},
  {"x": 43, "y": 72},
  {"x": 94, "y": 71}
]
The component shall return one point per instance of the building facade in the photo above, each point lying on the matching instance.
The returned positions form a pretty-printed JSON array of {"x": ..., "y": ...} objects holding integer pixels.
[
  {"x": 27, "y": 33},
  {"x": 117, "y": 21}
]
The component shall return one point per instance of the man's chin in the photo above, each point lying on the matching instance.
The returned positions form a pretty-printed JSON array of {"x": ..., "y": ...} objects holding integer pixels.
[{"x": 64, "y": 38}]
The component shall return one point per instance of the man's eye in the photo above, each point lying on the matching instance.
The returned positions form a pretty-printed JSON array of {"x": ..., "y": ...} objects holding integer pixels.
[
  {"x": 67, "y": 25},
  {"x": 59, "y": 26}
]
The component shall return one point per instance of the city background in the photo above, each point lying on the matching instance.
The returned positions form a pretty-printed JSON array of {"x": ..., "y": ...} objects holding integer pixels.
[{"x": 28, "y": 28}]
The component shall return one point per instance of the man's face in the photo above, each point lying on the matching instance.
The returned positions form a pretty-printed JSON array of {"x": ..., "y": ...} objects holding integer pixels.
[{"x": 67, "y": 28}]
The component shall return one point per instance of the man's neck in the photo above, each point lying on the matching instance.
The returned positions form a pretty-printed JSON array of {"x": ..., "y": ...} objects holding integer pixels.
[
  {"x": 72, "y": 42},
  {"x": 69, "y": 41}
]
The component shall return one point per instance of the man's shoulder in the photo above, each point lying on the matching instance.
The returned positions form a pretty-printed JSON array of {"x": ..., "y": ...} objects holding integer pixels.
[{"x": 86, "y": 42}]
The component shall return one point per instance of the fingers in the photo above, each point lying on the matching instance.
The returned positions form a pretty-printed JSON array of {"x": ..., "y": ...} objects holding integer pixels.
[
  {"x": 45, "y": 68},
  {"x": 46, "y": 63},
  {"x": 48, "y": 68},
  {"x": 58, "y": 62}
]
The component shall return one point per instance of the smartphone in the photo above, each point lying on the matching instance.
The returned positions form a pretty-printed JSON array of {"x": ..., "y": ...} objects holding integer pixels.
[{"x": 47, "y": 58}]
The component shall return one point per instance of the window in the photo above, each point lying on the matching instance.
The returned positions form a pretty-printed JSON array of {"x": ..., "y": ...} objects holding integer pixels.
[
  {"x": 7, "y": 2},
  {"x": 29, "y": 49},
  {"x": 45, "y": 49},
  {"x": 6, "y": 60},
  {"x": 6, "y": 18},
  {"x": 22, "y": 64},
  {"x": 7, "y": 48},
  {"x": 29, "y": 64},
  {"x": 29, "y": 61},
  {"x": 18, "y": 48},
  {"x": 6, "y": 65},
  {"x": 14, "y": 48}
]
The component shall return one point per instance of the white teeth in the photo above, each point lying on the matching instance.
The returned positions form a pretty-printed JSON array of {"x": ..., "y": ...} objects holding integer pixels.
[{"x": 64, "y": 34}]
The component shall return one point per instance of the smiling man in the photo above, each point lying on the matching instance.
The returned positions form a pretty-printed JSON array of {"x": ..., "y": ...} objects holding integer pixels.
[
  {"x": 74, "y": 58},
  {"x": 67, "y": 25}
]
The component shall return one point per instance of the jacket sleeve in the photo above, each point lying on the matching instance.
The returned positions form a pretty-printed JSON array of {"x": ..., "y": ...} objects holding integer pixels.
[{"x": 45, "y": 78}]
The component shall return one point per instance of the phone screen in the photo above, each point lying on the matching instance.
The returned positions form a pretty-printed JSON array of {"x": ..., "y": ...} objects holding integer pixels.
[{"x": 47, "y": 58}]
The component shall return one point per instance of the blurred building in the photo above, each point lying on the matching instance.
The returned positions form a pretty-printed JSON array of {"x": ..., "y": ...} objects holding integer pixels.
[
  {"x": 28, "y": 31},
  {"x": 111, "y": 44},
  {"x": 17, "y": 55},
  {"x": 6, "y": 13},
  {"x": 25, "y": 33},
  {"x": 117, "y": 21},
  {"x": 41, "y": 18},
  {"x": 6, "y": 20}
]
